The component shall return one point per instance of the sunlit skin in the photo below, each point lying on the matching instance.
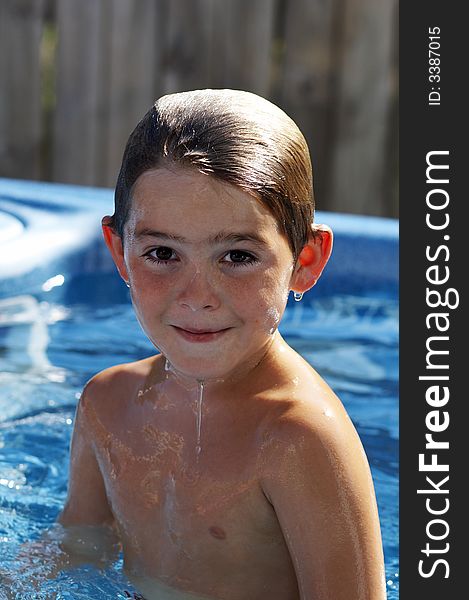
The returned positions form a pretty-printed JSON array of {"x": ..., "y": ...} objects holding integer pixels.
[
  {"x": 228, "y": 467},
  {"x": 229, "y": 273}
]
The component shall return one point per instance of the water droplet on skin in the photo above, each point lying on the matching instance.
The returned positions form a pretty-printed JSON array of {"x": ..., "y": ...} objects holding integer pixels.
[
  {"x": 273, "y": 319},
  {"x": 174, "y": 537},
  {"x": 114, "y": 463},
  {"x": 190, "y": 477},
  {"x": 200, "y": 397},
  {"x": 149, "y": 487}
]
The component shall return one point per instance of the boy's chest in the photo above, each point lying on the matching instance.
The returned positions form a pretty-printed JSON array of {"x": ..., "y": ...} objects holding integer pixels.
[{"x": 187, "y": 494}]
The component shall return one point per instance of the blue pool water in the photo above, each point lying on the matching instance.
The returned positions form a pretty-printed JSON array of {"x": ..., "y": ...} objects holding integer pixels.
[{"x": 64, "y": 315}]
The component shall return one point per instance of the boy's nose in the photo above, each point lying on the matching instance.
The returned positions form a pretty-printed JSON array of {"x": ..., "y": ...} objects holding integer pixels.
[{"x": 199, "y": 293}]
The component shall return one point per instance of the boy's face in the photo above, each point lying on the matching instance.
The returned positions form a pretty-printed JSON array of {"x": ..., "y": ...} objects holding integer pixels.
[{"x": 208, "y": 268}]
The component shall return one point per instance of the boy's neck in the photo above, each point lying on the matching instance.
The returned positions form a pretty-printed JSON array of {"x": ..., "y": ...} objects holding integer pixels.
[{"x": 239, "y": 376}]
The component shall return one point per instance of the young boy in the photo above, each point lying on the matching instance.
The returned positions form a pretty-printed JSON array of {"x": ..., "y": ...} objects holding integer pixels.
[{"x": 227, "y": 466}]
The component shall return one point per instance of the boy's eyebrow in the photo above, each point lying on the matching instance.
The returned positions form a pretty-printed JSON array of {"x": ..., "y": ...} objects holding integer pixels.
[
  {"x": 220, "y": 237},
  {"x": 146, "y": 232}
]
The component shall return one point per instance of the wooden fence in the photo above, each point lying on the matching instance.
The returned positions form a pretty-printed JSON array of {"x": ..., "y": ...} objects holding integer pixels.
[{"x": 77, "y": 75}]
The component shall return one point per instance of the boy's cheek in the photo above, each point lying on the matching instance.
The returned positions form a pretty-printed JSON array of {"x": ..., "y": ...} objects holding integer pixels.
[
  {"x": 146, "y": 280},
  {"x": 264, "y": 292}
]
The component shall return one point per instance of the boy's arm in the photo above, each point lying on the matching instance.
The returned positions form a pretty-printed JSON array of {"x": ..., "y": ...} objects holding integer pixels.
[
  {"x": 322, "y": 493},
  {"x": 87, "y": 502},
  {"x": 86, "y": 517}
]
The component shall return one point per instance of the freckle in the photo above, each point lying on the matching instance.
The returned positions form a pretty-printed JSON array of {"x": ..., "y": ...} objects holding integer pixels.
[{"x": 217, "y": 532}]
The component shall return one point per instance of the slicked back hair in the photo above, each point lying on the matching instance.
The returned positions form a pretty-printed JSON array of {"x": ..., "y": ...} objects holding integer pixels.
[{"x": 237, "y": 138}]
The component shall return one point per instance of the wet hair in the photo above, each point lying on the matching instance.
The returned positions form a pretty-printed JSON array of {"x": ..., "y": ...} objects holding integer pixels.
[{"x": 237, "y": 138}]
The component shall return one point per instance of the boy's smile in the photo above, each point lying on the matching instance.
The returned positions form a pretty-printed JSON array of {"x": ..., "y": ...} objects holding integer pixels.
[
  {"x": 198, "y": 336},
  {"x": 208, "y": 268}
]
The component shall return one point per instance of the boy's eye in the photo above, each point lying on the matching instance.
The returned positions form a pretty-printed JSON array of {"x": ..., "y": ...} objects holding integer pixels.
[
  {"x": 162, "y": 253},
  {"x": 239, "y": 257}
]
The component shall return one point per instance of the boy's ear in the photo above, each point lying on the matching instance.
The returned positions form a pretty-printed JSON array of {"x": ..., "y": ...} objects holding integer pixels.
[
  {"x": 312, "y": 259},
  {"x": 115, "y": 246}
]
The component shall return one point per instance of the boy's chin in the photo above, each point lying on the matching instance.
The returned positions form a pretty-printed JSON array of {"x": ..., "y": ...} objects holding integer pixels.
[
  {"x": 196, "y": 370},
  {"x": 232, "y": 365}
]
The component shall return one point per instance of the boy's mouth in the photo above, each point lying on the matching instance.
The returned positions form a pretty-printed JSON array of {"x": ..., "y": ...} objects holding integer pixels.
[{"x": 200, "y": 335}]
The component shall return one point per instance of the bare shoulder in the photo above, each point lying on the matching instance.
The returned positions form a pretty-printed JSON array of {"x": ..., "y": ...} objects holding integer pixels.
[
  {"x": 113, "y": 386},
  {"x": 311, "y": 435},
  {"x": 99, "y": 415},
  {"x": 308, "y": 405}
]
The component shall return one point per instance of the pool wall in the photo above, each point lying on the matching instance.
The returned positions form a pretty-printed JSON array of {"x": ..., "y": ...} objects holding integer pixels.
[{"x": 48, "y": 229}]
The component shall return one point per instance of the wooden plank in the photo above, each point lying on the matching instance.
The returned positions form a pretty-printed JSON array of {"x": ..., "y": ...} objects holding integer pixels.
[
  {"x": 304, "y": 82},
  {"x": 184, "y": 28},
  {"x": 21, "y": 23},
  {"x": 203, "y": 43},
  {"x": 241, "y": 46},
  {"x": 209, "y": 43},
  {"x": 391, "y": 172},
  {"x": 80, "y": 118},
  {"x": 360, "y": 161},
  {"x": 134, "y": 68}
]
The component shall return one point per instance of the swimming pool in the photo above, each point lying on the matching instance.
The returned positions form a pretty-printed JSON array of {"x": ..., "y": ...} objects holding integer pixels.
[{"x": 65, "y": 314}]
